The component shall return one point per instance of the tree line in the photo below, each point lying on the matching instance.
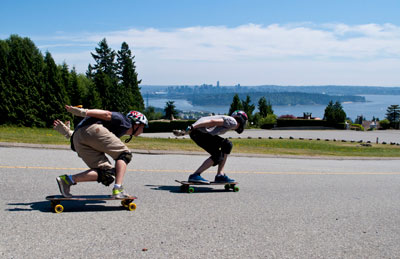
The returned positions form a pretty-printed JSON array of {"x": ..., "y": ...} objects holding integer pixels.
[{"x": 34, "y": 89}]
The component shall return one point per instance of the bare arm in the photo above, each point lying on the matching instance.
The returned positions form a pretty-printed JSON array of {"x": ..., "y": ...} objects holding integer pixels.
[
  {"x": 209, "y": 123},
  {"x": 100, "y": 114},
  {"x": 96, "y": 113}
]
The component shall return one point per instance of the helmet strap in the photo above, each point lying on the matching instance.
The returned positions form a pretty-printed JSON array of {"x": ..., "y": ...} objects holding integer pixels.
[{"x": 133, "y": 133}]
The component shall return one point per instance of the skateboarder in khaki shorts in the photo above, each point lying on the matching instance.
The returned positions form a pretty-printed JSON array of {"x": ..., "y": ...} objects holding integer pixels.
[
  {"x": 95, "y": 136},
  {"x": 205, "y": 133}
]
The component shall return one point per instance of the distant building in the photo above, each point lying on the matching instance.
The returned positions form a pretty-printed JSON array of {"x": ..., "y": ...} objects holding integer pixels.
[{"x": 217, "y": 83}]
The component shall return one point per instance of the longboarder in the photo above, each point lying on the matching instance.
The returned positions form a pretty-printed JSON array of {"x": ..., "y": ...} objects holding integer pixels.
[
  {"x": 95, "y": 136},
  {"x": 205, "y": 133}
]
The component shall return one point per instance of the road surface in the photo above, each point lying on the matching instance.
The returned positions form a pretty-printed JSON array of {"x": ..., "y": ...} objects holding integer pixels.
[{"x": 286, "y": 208}]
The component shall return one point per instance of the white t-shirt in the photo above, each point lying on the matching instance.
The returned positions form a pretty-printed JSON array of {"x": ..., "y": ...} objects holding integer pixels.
[{"x": 229, "y": 123}]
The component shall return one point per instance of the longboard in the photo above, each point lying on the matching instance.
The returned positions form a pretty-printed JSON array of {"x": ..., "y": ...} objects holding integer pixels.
[
  {"x": 187, "y": 186},
  {"x": 55, "y": 201}
]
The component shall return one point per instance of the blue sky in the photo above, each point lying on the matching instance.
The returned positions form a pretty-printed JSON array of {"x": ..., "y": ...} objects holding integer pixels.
[{"x": 251, "y": 42}]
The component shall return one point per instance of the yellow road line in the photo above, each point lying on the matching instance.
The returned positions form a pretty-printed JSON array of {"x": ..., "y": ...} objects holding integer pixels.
[{"x": 190, "y": 171}]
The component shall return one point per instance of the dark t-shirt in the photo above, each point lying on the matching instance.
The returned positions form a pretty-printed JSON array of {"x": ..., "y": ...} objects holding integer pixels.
[{"x": 119, "y": 124}]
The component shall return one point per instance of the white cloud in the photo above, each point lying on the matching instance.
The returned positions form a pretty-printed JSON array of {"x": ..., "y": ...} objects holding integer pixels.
[{"x": 250, "y": 54}]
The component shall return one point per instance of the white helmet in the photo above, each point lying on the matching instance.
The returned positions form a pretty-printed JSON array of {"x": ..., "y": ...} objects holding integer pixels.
[{"x": 138, "y": 118}]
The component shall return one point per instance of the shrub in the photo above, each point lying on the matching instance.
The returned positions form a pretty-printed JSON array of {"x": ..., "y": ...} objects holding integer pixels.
[
  {"x": 384, "y": 124},
  {"x": 267, "y": 122},
  {"x": 357, "y": 127}
]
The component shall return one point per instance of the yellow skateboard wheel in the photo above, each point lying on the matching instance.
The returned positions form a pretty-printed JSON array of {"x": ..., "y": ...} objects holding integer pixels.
[
  {"x": 58, "y": 208},
  {"x": 132, "y": 206}
]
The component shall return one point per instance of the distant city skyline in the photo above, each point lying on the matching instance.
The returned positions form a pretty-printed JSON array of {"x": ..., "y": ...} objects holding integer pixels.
[{"x": 253, "y": 42}]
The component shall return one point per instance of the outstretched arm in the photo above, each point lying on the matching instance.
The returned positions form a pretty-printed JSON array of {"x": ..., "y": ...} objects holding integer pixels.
[
  {"x": 204, "y": 124},
  {"x": 208, "y": 123},
  {"x": 96, "y": 113}
]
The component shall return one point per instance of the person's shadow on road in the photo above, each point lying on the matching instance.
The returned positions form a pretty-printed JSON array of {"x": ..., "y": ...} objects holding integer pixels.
[
  {"x": 69, "y": 206},
  {"x": 178, "y": 189}
]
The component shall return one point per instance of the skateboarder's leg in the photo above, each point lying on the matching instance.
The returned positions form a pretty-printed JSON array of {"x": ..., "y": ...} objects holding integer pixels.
[
  {"x": 206, "y": 164},
  {"x": 90, "y": 175},
  {"x": 221, "y": 165},
  {"x": 210, "y": 144},
  {"x": 120, "y": 168}
]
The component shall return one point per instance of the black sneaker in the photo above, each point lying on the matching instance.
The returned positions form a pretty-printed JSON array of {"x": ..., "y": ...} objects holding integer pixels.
[{"x": 223, "y": 179}]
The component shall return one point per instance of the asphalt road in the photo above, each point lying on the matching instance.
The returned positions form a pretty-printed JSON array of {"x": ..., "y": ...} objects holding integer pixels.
[{"x": 286, "y": 208}]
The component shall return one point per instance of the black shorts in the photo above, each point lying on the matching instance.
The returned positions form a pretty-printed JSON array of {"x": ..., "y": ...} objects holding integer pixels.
[{"x": 215, "y": 145}]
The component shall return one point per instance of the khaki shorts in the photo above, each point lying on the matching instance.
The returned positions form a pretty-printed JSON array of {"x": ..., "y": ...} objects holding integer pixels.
[{"x": 93, "y": 142}]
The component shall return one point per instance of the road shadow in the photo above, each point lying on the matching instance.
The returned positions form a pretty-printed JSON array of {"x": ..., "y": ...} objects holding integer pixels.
[
  {"x": 177, "y": 189},
  {"x": 170, "y": 188},
  {"x": 69, "y": 206}
]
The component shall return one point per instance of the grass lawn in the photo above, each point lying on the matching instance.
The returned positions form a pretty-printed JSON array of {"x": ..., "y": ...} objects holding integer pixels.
[{"x": 254, "y": 146}]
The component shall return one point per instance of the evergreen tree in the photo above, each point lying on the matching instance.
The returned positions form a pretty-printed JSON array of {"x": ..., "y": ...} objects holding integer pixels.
[
  {"x": 5, "y": 87},
  {"x": 329, "y": 113},
  {"x": 104, "y": 75},
  {"x": 340, "y": 115},
  {"x": 54, "y": 93},
  {"x": 25, "y": 80},
  {"x": 236, "y": 104},
  {"x": 104, "y": 58},
  {"x": 264, "y": 107},
  {"x": 75, "y": 91},
  {"x": 248, "y": 108},
  {"x": 334, "y": 113},
  {"x": 170, "y": 111},
  {"x": 128, "y": 76},
  {"x": 65, "y": 80},
  {"x": 393, "y": 115}
]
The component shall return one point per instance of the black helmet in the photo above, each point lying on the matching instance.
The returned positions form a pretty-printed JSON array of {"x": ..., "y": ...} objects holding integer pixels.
[{"x": 241, "y": 118}]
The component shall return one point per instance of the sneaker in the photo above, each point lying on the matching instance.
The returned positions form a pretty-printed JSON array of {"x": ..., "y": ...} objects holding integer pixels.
[
  {"x": 223, "y": 179},
  {"x": 64, "y": 183},
  {"x": 196, "y": 178},
  {"x": 119, "y": 193}
]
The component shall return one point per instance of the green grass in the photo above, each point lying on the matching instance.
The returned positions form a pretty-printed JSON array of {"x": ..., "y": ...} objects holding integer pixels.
[{"x": 254, "y": 146}]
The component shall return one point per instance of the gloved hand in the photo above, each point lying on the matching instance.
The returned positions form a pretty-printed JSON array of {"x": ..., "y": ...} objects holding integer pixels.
[
  {"x": 76, "y": 111},
  {"x": 62, "y": 128},
  {"x": 180, "y": 133}
]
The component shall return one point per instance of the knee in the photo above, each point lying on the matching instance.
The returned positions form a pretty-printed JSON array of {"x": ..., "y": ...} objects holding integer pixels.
[
  {"x": 226, "y": 146},
  {"x": 125, "y": 156},
  {"x": 106, "y": 176},
  {"x": 217, "y": 158}
]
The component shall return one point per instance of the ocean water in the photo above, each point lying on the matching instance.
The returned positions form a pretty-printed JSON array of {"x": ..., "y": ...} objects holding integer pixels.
[{"x": 375, "y": 106}]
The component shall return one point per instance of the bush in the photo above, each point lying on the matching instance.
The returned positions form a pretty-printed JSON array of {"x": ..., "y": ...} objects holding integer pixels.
[
  {"x": 267, "y": 122},
  {"x": 384, "y": 124},
  {"x": 357, "y": 127}
]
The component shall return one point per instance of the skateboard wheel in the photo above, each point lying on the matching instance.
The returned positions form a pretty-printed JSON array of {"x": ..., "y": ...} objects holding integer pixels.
[
  {"x": 183, "y": 188},
  {"x": 190, "y": 190},
  {"x": 132, "y": 206},
  {"x": 227, "y": 187},
  {"x": 58, "y": 208},
  {"x": 235, "y": 189}
]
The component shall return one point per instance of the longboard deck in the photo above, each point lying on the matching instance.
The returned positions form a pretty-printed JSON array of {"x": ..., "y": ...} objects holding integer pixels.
[
  {"x": 186, "y": 186},
  {"x": 211, "y": 183},
  {"x": 55, "y": 201}
]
